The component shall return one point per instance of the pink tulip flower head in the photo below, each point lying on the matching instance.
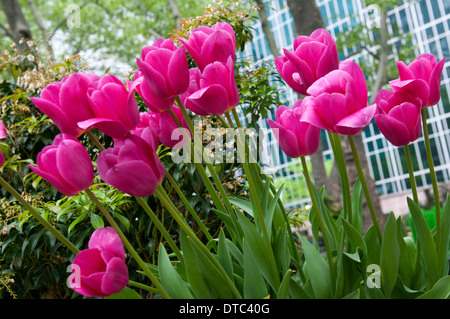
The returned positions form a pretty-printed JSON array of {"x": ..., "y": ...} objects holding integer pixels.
[
  {"x": 66, "y": 165},
  {"x": 195, "y": 75},
  {"x": 313, "y": 57},
  {"x": 2, "y": 135},
  {"x": 154, "y": 103},
  {"x": 424, "y": 67},
  {"x": 218, "y": 92},
  {"x": 338, "y": 101},
  {"x": 132, "y": 166},
  {"x": 398, "y": 113},
  {"x": 115, "y": 108},
  {"x": 146, "y": 130},
  {"x": 295, "y": 137},
  {"x": 66, "y": 102},
  {"x": 210, "y": 44},
  {"x": 165, "y": 68},
  {"x": 168, "y": 131},
  {"x": 101, "y": 268}
]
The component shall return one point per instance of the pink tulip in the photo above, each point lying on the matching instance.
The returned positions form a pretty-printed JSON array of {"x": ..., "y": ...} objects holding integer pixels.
[
  {"x": 102, "y": 268},
  {"x": 218, "y": 92},
  {"x": 131, "y": 166},
  {"x": 398, "y": 113},
  {"x": 167, "y": 130},
  {"x": 313, "y": 57},
  {"x": 115, "y": 108},
  {"x": 295, "y": 137},
  {"x": 208, "y": 45},
  {"x": 66, "y": 165},
  {"x": 2, "y": 135},
  {"x": 153, "y": 102},
  {"x": 195, "y": 75},
  {"x": 424, "y": 67},
  {"x": 145, "y": 129},
  {"x": 165, "y": 68},
  {"x": 338, "y": 101},
  {"x": 66, "y": 102}
]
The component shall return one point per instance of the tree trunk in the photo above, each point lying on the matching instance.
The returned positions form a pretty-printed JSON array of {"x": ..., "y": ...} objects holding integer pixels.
[
  {"x": 265, "y": 25},
  {"x": 175, "y": 12},
  {"x": 18, "y": 26}
]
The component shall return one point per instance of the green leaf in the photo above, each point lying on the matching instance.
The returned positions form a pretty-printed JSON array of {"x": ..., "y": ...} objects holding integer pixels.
[
  {"x": 172, "y": 282},
  {"x": 445, "y": 239},
  {"x": 245, "y": 205},
  {"x": 254, "y": 284},
  {"x": 441, "y": 290},
  {"x": 353, "y": 295},
  {"x": 283, "y": 292},
  {"x": 96, "y": 221},
  {"x": 425, "y": 238},
  {"x": 357, "y": 210},
  {"x": 354, "y": 237},
  {"x": 224, "y": 255},
  {"x": 317, "y": 269},
  {"x": 390, "y": 253},
  {"x": 126, "y": 293}
]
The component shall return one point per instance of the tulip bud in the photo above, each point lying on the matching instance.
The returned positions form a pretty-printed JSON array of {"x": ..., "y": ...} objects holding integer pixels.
[
  {"x": 66, "y": 102},
  {"x": 66, "y": 165},
  {"x": 295, "y": 137},
  {"x": 131, "y": 166},
  {"x": 101, "y": 269},
  {"x": 208, "y": 45},
  {"x": 313, "y": 57},
  {"x": 115, "y": 108}
]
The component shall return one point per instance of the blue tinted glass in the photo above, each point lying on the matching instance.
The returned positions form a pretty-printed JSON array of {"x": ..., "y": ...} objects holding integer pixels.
[
  {"x": 436, "y": 11},
  {"x": 444, "y": 47},
  {"x": 424, "y": 11}
]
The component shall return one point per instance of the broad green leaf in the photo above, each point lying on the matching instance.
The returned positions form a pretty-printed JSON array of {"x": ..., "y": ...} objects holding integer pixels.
[
  {"x": 390, "y": 253},
  {"x": 281, "y": 249},
  {"x": 254, "y": 284},
  {"x": 425, "y": 238},
  {"x": 283, "y": 292},
  {"x": 296, "y": 290},
  {"x": 172, "y": 282},
  {"x": 318, "y": 270},
  {"x": 96, "y": 221},
  {"x": 353, "y": 295},
  {"x": 445, "y": 239},
  {"x": 441, "y": 290},
  {"x": 354, "y": 237},
  {"x": 373, "y": 246},
  {"x": 224, "y": 255},
  {"x": 125, "y": 293},
  {"x": 357, "y": 209},
  {"x": 245, "y": 205}
]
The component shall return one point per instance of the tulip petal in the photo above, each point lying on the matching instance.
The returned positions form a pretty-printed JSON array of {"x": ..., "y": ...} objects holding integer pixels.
[
  {"x": 2, "y": 130},
  {"x": 178, "y": 72},
  {"x": 73, "y": 97},
  {"x": 286, "y": 139},
  {"x": 395, "y": 131},
  {"x": 353, "y": 123},
  {"x": 106, "y": 238},
  {"x": 435, "y": 83},
  {"x": 112, "y": 128},
  {"x": 116, "y": 276},
  {"x": 210, "y": 100},
  {"x": 63, "y": 187},
  {"x": 155, "y": 80}
]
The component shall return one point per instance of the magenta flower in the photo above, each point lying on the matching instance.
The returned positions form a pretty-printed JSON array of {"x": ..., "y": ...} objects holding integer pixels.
[
  {"x": 424, "y": 67},
  {"x": 167, "y": 130},
  {"x": 145, "y": 129},
  {"x": 218, "y": 92},
  {"x": 398, "y": 113},
  {"x": 115, "y": 108},
  {"x": 165, "y": 68},
  {"x": 208, "y": 45},
  {"x": 195, "y": 75},
  {"x": 153, "y": 102},
  {"x": 131, "y": 166},
  {"x": 2, "y": 135},
  {"x": 66, "y": 102},
  {"x": 66, "y": 165},
  {"x": 313, "y": 57},
  {"x": 295, "y": 137},
  {"x": 338, "y": 101},
  {"x": 101, "y": 269}
]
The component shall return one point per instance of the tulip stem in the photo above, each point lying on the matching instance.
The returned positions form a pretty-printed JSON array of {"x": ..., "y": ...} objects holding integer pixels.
[
  {"x": 95, "y": 141},
  {"x": 362, "y": 179},
  {"x": 161, "y": 194},
  {"x": 143, "y": 287},
  {"x": 160, "y": 227},
  {"x": 127, "y": 244},
  {"x": 437, "y": 203},
  {"x": 39, "y": 217},
  {"x": 320, "y": 218},
  {"x": 411, "y": 174}
]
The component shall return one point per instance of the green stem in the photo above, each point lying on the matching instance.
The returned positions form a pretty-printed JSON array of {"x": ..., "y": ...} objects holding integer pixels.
[
  {"x": 38, "y": 217},
  {"x": 127, "y": 244},
  {"x": 411, "y": 174},
  {"x": 165, "y": 200},
  {"x": 362, "y": 179},
  {"x": 321, "y": 221},
  {"x": 160, "y": 227},
  {"x": 433, "y": 178},
  {"x": 143, "y": 287},
  {"x": 95, "y": 140}
]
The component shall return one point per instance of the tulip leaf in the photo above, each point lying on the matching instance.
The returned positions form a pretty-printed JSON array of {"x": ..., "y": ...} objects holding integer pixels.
[
  {"x": 254, "y": 284},
  {"x": 445, "y": 239},
  {"x": 125, "y": 293},
  {"x": 425, "y": 238},
  {"x": 283, "y": 292},
  {"x": 172, "y": 282},
  {"x": 441, "y": 290},
  {"x": 245, "y": 205},
  {"x": 357, "y": 211},
  {"x": 224, "y": 255},
  {"x": 389, "y": 258},
  {"x": 317, "y": 269}
]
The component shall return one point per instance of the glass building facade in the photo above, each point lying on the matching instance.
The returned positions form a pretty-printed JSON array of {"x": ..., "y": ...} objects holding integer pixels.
[{"x": 422, "y": 25}]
